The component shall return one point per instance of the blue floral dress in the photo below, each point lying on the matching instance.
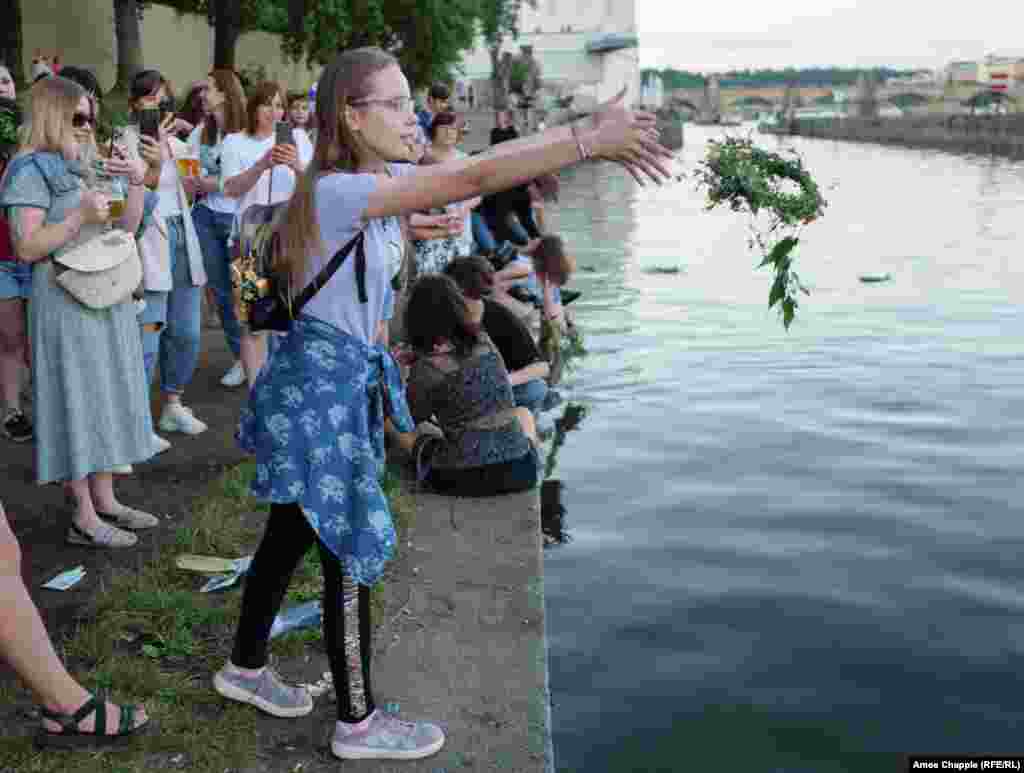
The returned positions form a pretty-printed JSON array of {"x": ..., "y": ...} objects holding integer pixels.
[{"x": 315, "y": 422}]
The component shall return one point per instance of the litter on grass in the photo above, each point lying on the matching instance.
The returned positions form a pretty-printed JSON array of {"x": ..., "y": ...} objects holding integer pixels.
[
  {"x": 241, "y": 566},
  {"x": 301, "y": 616},
  {"x": 65, "y": 580}
]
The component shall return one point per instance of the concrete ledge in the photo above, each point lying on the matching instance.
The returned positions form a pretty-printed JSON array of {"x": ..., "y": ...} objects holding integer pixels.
[{"x": 469, "y": 650}]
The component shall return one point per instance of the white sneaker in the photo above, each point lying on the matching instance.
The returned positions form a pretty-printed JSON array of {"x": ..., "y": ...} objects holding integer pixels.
[
  {"x": 234, "y": 377},
  {"x": 178, "y": 418},
  {"x": 160, "y": 445}
]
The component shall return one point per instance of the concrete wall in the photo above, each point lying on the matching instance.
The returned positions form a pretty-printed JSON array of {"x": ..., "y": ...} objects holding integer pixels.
[{"x": 181, "y": 47}]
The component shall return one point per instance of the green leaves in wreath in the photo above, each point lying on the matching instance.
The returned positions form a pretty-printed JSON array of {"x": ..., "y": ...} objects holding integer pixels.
[{"x": 748, "y": 179}]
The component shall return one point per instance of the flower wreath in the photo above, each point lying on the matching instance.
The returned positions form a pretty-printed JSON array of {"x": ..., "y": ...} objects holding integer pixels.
[{"x": 749, "y": 179}]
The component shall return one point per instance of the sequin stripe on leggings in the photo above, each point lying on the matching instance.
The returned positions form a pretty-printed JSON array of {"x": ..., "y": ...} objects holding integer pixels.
[{"x": 353, "y": 652}]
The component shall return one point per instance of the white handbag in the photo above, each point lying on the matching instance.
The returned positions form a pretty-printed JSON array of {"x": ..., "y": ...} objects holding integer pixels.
[{"x": 102, "y": 271}]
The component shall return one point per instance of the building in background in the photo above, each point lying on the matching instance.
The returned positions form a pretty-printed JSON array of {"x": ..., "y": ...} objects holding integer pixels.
[
  {"x": 963, "y": 72},
  {"x": 585, "y": 48}
]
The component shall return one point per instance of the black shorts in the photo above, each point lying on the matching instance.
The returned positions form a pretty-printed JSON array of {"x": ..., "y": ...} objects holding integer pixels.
[{"x": 503, "y": 478}]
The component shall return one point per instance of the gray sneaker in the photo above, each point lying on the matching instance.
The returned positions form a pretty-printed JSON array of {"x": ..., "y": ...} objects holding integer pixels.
[
  {"x": 266, "y": 692},
  {"x": 383, "y": 736}
]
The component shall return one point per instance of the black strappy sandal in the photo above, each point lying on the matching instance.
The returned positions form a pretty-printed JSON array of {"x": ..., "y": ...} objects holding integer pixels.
[{"x": 71, "y": 737}]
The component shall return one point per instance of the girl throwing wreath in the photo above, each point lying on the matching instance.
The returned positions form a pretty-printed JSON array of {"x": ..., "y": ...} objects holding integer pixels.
[{"x": 316, "y": 412}]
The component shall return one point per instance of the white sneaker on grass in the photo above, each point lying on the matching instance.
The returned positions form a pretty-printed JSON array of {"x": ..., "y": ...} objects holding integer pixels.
[
  {"x": 160, "y": 445},
  {"x": 235, "y": 377},
  {"x": 383, "y": 736},
  {"x": 179, "y": 418}
]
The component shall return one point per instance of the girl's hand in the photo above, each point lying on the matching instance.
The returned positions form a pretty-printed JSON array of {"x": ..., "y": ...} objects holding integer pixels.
[
  {"x": 167, "y": 127},
  {"x": 95, "y": 208},
  {"x": 287, "y": 155},
  {"x": 133, "y": 169},
  {"x": 631, "y": 139},
  {"x": 192, "y": 185},
  {"x": 269, "y": 159},
  {"x": 181, "y": 126},
  {"x": 152, "y": 152}
]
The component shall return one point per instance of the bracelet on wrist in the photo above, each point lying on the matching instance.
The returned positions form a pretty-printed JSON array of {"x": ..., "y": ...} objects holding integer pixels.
[{"x": 584, "y": 151}]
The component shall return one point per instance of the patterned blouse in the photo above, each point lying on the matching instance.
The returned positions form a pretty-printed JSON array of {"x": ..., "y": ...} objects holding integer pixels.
[{"x": 471, "y": 399}]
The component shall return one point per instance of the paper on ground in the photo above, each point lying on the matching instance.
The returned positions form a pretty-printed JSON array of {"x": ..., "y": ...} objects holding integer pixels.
[{"x": 65, "y": 580}]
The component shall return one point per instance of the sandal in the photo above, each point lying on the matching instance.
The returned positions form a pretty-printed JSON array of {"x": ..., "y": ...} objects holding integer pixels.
[
  {"x": 130, "y": 518},
  {"x": 106, "y": 536},
  {"x": 71, "y": 737}
]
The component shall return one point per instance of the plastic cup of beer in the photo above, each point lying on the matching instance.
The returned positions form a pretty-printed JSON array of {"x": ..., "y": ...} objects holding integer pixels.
[{"x": 188, "y": 166}]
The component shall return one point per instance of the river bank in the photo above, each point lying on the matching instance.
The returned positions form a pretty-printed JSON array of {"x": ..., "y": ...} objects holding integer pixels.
[
  {"x": 1001, "y": 135},
  {"x": 461, "y": 635}
]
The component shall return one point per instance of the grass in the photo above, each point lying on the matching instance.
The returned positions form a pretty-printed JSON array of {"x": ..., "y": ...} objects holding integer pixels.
[{"x": 150, "y": 636}]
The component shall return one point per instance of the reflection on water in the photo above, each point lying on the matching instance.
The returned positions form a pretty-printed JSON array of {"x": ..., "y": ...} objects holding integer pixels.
[
  {"x": 792, "y": 551},
  {"x": 552, "y": 514}
]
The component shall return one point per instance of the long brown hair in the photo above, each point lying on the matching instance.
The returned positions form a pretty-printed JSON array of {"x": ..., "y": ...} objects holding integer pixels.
[
  {"x": 343, "y": 81},
  {"x": 235, "y": 118}
]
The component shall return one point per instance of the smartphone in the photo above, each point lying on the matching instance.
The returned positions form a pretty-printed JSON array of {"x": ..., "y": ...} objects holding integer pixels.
[
  {"x": 283, "y": 133},
  {"x": 149, "y": 123}
]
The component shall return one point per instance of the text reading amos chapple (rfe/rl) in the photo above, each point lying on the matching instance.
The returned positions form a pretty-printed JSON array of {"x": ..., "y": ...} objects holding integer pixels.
[{"x": 970, "y": 762}]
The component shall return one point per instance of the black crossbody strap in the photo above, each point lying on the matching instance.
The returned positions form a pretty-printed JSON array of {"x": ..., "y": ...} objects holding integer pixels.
[{"x": 327, "y": 272}]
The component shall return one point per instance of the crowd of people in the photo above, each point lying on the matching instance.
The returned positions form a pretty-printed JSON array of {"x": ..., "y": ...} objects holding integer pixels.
[{"x": 453, "y": 245}]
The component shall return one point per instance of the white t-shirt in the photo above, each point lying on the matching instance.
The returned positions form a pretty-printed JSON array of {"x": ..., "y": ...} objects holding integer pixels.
[
  {"x": 241, "y": 152},
  {"x": 341, "y": 199},
  {"x": 211, "y": 154},
  {"x": 167, "y": 190}
]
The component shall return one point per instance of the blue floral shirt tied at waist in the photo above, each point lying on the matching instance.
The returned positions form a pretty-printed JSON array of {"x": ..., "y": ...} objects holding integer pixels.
[{"x": 315, "y": 422}]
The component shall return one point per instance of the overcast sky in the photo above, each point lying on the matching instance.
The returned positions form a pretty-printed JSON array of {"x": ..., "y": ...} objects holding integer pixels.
[{"x": 716, "y": 35}]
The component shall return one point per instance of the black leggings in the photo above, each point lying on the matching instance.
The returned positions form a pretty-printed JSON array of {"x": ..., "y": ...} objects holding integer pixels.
[{"x": 287, "y": 538}]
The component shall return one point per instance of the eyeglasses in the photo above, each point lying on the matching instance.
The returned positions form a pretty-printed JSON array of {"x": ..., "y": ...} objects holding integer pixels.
[
  {"x": 397, "y": 104},
  {"x": 81, "y": 120}
]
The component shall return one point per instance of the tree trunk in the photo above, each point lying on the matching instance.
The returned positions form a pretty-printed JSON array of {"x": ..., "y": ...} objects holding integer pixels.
[
  {"x": 499, "y": 94},
  {"x": 227, "y": 20},
  {"x": 11, "y": 40},
  {"x": 128, "y": 32}
]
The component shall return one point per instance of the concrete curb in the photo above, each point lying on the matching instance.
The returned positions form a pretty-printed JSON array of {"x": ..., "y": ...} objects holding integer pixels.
[{"x": 470, "y": 650}]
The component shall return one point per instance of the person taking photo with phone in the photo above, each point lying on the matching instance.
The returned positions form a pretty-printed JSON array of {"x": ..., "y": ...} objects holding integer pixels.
[
  {"x": 171, "y": 320},
  {"x": 259, "y": 166}
]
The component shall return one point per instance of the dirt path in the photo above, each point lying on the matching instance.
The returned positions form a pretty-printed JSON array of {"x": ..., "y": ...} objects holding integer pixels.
[{"x": 165, "y": 486}]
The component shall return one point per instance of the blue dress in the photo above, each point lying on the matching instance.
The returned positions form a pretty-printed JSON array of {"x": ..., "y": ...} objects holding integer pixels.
[{"x": 315, "y": 422}]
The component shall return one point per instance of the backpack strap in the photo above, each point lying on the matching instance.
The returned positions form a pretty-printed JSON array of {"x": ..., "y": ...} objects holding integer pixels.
[{"x": 328, "y": 271}]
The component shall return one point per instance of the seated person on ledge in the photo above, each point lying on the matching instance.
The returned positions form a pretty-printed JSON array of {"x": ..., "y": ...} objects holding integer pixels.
[
  {"x": 541, "y": 276},
  {"x": 525, "y": 363},
  {"x": 71, "y": 717},
  {"x": 459, "y": 379}
]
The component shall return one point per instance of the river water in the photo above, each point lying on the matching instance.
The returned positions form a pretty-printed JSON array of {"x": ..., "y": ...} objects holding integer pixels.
[{"x": 796, "y": 551}]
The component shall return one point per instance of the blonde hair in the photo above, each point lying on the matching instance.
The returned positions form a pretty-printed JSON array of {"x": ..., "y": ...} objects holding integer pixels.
[
  {"x": 344, "y": 81},
  {"x": 53, "y": 104}
]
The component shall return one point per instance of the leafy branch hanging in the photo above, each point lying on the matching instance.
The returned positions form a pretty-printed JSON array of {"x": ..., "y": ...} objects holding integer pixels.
[{"x": 749, "y": 179}]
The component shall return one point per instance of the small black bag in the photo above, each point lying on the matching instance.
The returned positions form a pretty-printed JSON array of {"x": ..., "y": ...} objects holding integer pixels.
[
  {"x": 262, "y": 297},
  {"x": 276, "y": 311}
]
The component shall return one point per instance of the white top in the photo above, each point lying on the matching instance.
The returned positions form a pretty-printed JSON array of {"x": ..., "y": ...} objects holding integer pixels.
[
  {"x": 240, "y": 152},
  {"x": 216, "y": 200},
  {"x": 341, "y": 199},
  {"x": 167, "y": 190}
]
